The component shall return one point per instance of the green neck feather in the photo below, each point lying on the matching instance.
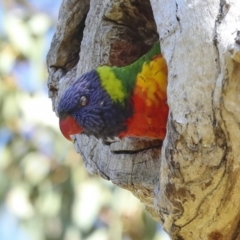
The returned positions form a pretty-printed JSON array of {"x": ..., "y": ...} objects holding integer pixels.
[{"x": 120, "y": 81}]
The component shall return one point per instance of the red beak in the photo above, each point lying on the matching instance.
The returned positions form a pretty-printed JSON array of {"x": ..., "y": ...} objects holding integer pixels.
[{"x": 69, "y": 126}]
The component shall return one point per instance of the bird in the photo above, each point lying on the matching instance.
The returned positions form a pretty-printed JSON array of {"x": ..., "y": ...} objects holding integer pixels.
[{"x": 110, "y": 101}]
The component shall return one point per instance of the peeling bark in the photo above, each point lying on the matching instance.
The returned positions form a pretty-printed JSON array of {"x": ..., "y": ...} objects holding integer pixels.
[
  {"x": 115, "y": 33},
  {"x": 190, "y": 182}
]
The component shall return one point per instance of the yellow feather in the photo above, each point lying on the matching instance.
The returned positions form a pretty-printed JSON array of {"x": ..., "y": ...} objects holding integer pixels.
[
  {"x": 152, "y": 80},
  {"x": 111, "y": 83}
]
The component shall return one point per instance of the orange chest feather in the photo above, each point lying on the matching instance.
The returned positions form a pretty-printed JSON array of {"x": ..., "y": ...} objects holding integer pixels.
[{"x": 149, "y": 102}]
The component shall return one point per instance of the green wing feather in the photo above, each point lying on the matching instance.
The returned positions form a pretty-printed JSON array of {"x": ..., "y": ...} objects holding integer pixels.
[{"x": 119, "y": 82}]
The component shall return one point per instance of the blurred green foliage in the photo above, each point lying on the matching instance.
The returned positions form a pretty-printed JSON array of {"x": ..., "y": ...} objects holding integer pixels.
[{"x": 45, "y": 192}]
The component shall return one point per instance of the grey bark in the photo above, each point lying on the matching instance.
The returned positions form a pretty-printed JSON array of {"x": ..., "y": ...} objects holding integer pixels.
[{"x": 190, "y": 182}]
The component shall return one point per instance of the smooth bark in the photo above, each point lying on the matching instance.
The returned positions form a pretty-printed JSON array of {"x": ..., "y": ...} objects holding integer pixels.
[{"x": 191, "y": 181}]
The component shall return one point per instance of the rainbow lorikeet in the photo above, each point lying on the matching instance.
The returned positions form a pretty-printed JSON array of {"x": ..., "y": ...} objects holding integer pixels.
[{"x": 128, "y": 101}]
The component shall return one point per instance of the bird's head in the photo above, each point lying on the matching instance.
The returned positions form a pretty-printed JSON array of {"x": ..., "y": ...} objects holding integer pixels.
[{"x": 85, "y": 107}]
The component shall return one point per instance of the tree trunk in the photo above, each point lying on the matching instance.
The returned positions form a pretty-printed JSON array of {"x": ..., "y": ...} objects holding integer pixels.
[{"x": 190, "y": 183}]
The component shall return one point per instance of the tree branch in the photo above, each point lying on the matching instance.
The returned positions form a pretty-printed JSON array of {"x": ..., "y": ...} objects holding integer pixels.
[
  {"x": 198, "y": 184},
  {"x": 115, "y": 33},
  {"x": 190, "y": 182}
]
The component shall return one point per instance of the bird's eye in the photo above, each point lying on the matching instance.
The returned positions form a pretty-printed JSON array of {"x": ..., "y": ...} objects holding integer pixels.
[{"x": 83, "y": 101}]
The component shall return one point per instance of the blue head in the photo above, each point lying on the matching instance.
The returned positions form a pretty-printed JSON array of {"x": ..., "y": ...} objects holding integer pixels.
[{"x": 87, "y": 107}]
